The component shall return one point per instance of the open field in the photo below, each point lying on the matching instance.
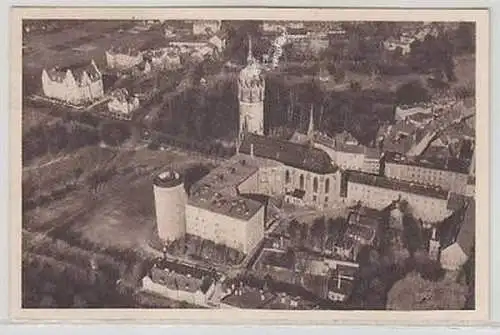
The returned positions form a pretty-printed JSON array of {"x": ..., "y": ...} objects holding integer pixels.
[
  {"x": 80, "y": 44},
  {"x": 32, "y": 117},
  {"x": 121, "y": 214}
]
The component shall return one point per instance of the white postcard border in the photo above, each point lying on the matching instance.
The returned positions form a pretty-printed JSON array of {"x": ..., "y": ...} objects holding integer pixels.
[{"x": 481, "y": 314}]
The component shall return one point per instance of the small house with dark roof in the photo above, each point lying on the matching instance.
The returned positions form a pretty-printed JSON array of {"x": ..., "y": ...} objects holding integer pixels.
[
  {"x": 180, "y": 282},
  {"x": 76, "y": 84}
]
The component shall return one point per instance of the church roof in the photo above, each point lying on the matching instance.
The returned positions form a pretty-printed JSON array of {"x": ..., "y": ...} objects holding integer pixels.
[{"x": 292, "y": 154}]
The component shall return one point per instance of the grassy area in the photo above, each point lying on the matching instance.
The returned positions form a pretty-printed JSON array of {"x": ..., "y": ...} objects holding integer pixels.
[
  {"x": 33, "y": 117},
  {"x": 121, "y": 214},
  {"x": 72, "y": 45}
]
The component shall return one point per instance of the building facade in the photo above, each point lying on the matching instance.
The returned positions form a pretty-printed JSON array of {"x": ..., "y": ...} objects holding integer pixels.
[
  {"x": 242, "y": 234},
  {"x": 427, "y": 203},
  {"x": 78, "y": 84},
  {"x": 180, "y": 282},
  {"x": 444, "y": 178},
  {"x": 164, "y": 59},
  {"x": 122, "y": 104},
  {"x": 319, "y": 190},
  {"x": 122, "y": 60}
]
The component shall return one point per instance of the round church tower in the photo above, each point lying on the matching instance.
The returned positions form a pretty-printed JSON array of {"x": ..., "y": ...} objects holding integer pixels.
[{"x": 251, "y": 86}]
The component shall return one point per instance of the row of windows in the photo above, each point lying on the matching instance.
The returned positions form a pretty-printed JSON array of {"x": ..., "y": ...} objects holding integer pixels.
[
  {"x": 376, "y": 194},
  {"x": 315, "y": 198},
  {"x": 302, "y": 183}
]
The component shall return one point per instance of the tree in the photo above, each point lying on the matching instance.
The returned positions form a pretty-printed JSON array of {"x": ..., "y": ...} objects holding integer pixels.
[
  {"x": 412, "y": 92},
  {"x": 114, "y": 134},
  {"x": 355, "y": 86},
  {"x": 464, "y": 38},
  {"x": 416, "y": 293}
]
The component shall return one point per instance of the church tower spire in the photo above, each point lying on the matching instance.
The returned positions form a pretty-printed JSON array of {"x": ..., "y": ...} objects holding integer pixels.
[
  {"x": 250, "y": 53},
  {"x": 251, "y": 89},
  {"x": 310, "y": 129}
]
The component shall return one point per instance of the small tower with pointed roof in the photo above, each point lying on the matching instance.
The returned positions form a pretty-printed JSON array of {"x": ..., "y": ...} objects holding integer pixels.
[{"x": 251, "y": 87}]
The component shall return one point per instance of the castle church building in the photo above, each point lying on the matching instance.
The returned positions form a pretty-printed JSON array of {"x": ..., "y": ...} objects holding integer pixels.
[{"x": 251, "y": 86}]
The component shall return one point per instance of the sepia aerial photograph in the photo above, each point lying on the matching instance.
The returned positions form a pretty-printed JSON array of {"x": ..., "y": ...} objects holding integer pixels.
[{"x": 248, "y": 164}]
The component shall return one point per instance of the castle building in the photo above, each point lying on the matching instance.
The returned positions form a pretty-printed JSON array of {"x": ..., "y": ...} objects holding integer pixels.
[
  {"x": 251, "y": 88},
  {"x": 77, "y": 84},
  {"x": 226, "y": 205},
  {"x": 449, "y": 174},
  {"x": 430, "y": 204}
]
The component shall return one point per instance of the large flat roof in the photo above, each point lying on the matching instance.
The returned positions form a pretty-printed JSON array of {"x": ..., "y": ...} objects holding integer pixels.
[{"x": 218, "y": 191}]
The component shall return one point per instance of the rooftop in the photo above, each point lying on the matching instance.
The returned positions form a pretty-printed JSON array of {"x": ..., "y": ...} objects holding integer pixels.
[
  {"x": 345, "y": 142},
  {"x": 431, "y": 161},
  {"x": 340, "y": 285},
  {"x": 168, "y": 179},
  {"x": 250, "y": 297},
  {"x": 177, "y": 276},
  {"x": 181, "y": 268},
  {"x": 292, "y": 154},
  {"x": 218, "y": 191},
  {"x": 78, "y": 69},
  {"x": 365, "y": 219},
  {"x": 397, "y": 185},
  {"x": 364, "y": 232}
]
